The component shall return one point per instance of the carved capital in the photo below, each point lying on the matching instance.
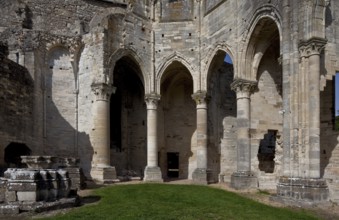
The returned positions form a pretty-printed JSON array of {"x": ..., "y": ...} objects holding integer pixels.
[
  {"x": 313, "y": 46},
  {"x": 200, "y": 97},
  {"x": 102, "y": 91},
  {"x": 243, "y": 86},
  {"x": 152, "y": 100}
]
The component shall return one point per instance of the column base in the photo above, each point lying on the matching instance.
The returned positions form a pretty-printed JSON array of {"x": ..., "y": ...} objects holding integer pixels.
[
  {"x": 244, "y": 180},
  {"x": 104, "y": 175},
  {"x": 153, "y": 174},
  {"x": 300, "y": 191},
  {"x": 201, "y": 176}
]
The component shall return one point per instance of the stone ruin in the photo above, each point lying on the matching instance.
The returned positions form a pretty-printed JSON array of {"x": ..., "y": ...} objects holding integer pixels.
[{"x": 47, "y": 183}]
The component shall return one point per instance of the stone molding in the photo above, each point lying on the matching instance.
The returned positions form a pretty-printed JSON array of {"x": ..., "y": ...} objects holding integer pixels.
[
  {"x": 313, "y": 46},
  {"x": 152, "y": 100},
  {"x": 102, "y": 91},
  {"x": 243, "y": 86}
]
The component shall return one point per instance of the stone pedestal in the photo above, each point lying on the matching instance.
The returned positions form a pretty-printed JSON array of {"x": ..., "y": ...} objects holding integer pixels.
[
  {"x": 244, "y": 180},
  {"x": 202, "y": 176},
  {"x": 302, "y": 191},
  {"x": 104, "y": 175},
  {"x": 153, "y": 174}
]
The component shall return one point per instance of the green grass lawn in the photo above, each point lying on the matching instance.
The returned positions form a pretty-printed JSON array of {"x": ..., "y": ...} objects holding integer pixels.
[{"x": 177, "y": 202}]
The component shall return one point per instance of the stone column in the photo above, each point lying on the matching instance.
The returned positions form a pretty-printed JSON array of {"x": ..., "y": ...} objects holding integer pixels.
[
  {"x": 314, "y": 47},
  {"x": 152, "y": 170},
  {"x": 308, "y": 187},
  {"x": 243, "y": 178},
  {"x": 200, "y": 174},
  {"x": 102, "y": 171}
]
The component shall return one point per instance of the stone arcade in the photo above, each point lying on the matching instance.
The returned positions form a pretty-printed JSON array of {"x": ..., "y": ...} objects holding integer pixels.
[{"x": 235, "y": 91}]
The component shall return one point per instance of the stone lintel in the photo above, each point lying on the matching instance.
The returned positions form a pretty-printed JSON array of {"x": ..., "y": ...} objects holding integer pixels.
[
  {"x": 244, "y": 180},
  {"x": 304, "y": 191},
  {"x": 153, "y": 174},
  {"x": 201, "y": 176}
]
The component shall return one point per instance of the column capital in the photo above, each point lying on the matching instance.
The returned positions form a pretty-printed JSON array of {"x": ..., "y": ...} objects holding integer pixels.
[
  {"x": 244, "y": 86},
  {"x": 310, "y": 47},
  {"x": 102, "y": 91},
  {"x": 152, "y": 100},
  {"x": 200, "y": 97}
]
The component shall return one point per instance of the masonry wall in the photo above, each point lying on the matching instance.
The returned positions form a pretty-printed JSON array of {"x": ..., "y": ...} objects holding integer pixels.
[
  {"x": 221, "y": 119},
  {"x": 16, "y": 109},
  {"x": 266, "y": 115},
  {"x": 329, "y": 152}
]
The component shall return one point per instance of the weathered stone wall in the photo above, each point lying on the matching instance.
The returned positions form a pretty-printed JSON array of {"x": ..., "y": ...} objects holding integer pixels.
[
  {"x": 221, "y": 109},
  {"x": 329, "y": 136},
  {"x": 329, "y": 151},
  {"x": 178, "y": 35},
  {"x": 60, "y": 98},
  {"x": 16, "y": 109},
  {"x": 266, "y": 112},
  {"x": 177, "y": 122}
]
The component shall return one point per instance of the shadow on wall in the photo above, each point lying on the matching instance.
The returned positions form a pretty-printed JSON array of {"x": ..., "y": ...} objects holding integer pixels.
[
  {"x": 16, "y": 110},
  {"x": 221, "y": 105},
  {"x": 61, "y": 134}
]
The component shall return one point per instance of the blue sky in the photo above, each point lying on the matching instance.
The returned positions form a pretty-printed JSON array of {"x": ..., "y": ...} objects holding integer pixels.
[
  {"x": 336, "y": 94},
  {"x": 228, "y": 59}
]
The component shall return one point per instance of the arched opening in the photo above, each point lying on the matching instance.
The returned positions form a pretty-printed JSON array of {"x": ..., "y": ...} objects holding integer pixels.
[
  {"x": 222, "y": 113},
  {"x": 13, "y": 152},
  {"x": 177, "y": 123},
  {"x": 266, "y": 102},
  {"x": 128, "y": 131}
]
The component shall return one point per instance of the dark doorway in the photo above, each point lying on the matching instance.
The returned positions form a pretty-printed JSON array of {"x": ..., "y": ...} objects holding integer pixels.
[
  {"x": 13, "y": 152},
  {"x": 173, "y": 165}
]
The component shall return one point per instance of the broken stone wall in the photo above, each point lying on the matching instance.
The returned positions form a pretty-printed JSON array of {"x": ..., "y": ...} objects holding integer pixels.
[
  {"x": 329, "y": 152},
  {"x": 266, "y": 116},
  {"x": 221, "y": 109}
]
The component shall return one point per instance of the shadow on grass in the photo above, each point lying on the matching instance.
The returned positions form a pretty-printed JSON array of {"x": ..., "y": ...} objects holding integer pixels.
[{"x": 89, "y": 199}]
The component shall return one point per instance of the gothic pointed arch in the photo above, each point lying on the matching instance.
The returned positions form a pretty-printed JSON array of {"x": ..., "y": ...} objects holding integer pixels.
[
  {"x": 175, "y": 57},
  {"x": 266, "y": 23},
  {"x": 216, "y": 49},
  {"x": 134, "y": 57}
]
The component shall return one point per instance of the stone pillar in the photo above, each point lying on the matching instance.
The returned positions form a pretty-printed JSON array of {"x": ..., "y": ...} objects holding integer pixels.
[
  {"x": 243, "y": 178},
  {"x": 152, "y": 170},
  {"x": 200, "y": 174},
  {"x": 308, "y": 187},
  {"x": 102, "y": 171},
  {"x": 315, "y": 48}
]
